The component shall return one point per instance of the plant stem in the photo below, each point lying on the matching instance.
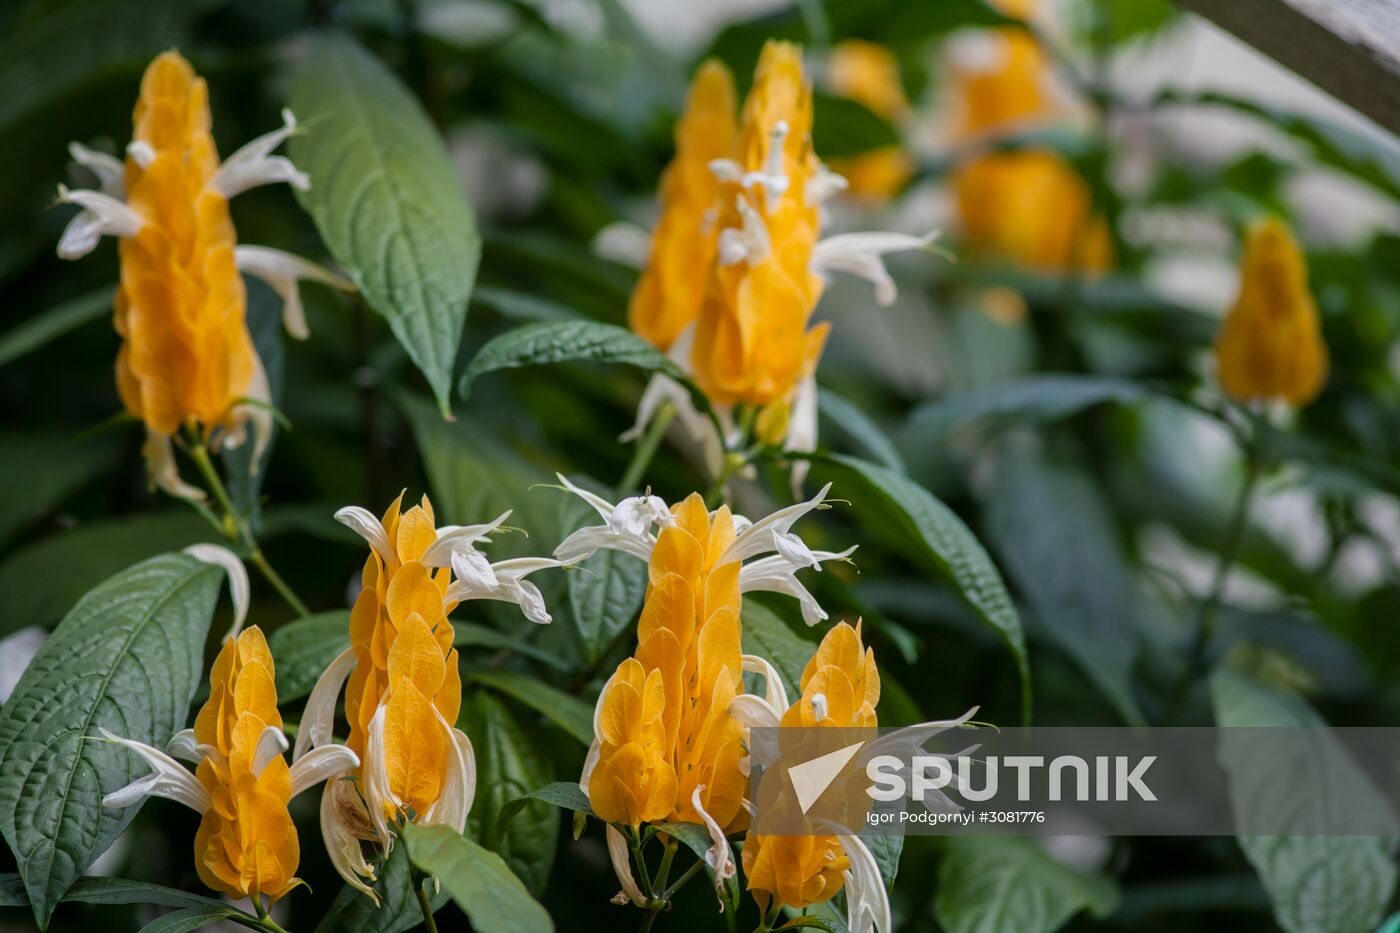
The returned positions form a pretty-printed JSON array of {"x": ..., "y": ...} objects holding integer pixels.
[
  {"x": 1203, "y": 625},
  {"x": 264, "y": 918},
  {"x": 238, "y": 531},
  {"x": 416, "y": 879},
  {"x": 646, "y": 448},
  {"x": 680, "y": 882}
]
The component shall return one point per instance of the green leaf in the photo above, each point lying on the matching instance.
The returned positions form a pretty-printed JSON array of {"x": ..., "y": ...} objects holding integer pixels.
[
  {"x": 566, "y": 794},
  {"x": 478, "y": 880},
  {"x": 946, "y": 545},
  {"x": 605, "y": 593},
  {"x": 768, "y": 636},
  {"x": 853, "y": 422},
  {"x": 385, "y": 196},
  {"x": 566, "y": 342},
  {"x": 987, "y": 884},
  {"x": 49, "y": 468},
  {"x": 128, "y": 659},
  {"x": 398, "y": 909},
  {"x": 696, "y": 838},
  {"x": 1048, "y": 523},
  {"x": 97, "y": 890},
  {"x": 509, "y": 762},
  {"x": 303, "y": 648},
  {"x": 563, "y": 709},
  {"x": 1036, "y": 399},
  {"x": 47, "y": 326},
  {"x": 190, "y": 918},
  {"x": 242, "y": 477},
  {"x": 844, "y": 127},
  {"x": 1318, "y": 884}
]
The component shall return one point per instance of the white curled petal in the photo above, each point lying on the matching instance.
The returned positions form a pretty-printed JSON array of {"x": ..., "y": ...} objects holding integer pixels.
[
  {"x": 255, "y": 412},
  {"x": 323, "y": 763},
  {"x": 747, "y": 243},
  {"x": 272, "y": 743},
  {"x": 719, "y": 856},
  {"x": 365, "y": 524},
  {"x": 531, "y": 602},
  {"x": 108, "y": 169},
  {"x": 771, "y": 178},
  {"x": 254, "y": 164},
  {"x": 802, "y": 430},
  {"x": 376, "y": 779},
  {"x": 867, "y": 901},
  {"x": 101, "y": 215},
  {"x": 601, "y": 505},
  {"x": 141, "y": 152},
  {"x": 164, "y": 473},
  {"x": 825, "y": 185},
  {"x": 453, "y": 537},
  {"x": 590, "y": 761},
  {"x": 342, "y": 845},
  {"x": 472, "y": 572},
  {"x": 238, "y": 587},
  {"x": 318, "y": 719},
  {"x": 168, "y": 779},
  {"x": 754, "y": 712},
  {"x": 761, "y": 577},
  {"x": 795, "y": 551},
  {"x": 184, "y": 746},
  {"x": 860, "y": 254},
  {"x": 282, "y": 272},
  {"x": 773, "y": 690},
  {"x": 727, "y": 170},
  {"x": 820, "y": 707},
  {"x": 620, "y": 855},
  {"x": 454, "y": 802},
  {"x": 758, "y": 537}
]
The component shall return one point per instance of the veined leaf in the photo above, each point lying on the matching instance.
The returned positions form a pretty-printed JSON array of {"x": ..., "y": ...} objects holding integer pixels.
[
  {"x": 386, "y": 199},
  {"x": 566, "y": 794},
  {"x": 54, "y": 323},
  {"x": 987, "y": 884},
  {"x": 188, "y": 919},
  {"x": 947, "y": 545},
  {"x": 398, "y": 909},
  {"x": 1038, "y": 399},
  {"x": 1049, "y": 523},
  {"x": 605, "y": 594},
  {"x": 852, "y": 421},
  {"x": 509, "y": 764},
  {"x": 1318, "y": 884},
  {"x": 97, "y": 890},
  {"x": 127, "y": 658},
  {"x": 563, "y": 709},
  {"x": 304, "y": 647},
  {"x": 567, "y": 342},
  {"x": 478, "y": 880}
]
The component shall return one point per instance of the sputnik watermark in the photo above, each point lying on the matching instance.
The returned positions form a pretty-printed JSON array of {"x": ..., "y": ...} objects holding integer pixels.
[{"x": 1114, "y": 777}]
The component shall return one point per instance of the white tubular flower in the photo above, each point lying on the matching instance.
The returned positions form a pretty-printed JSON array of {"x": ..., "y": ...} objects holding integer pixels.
[
  {"x": 504, "y": 580},
  {"x": 867, "y": 901},
  {"x": 619, "y": 855},
  {"x": 256, "y": 412},
  {"x": 627, "y": 526},
  {"x": 318, "y": 719},
  {"x": 168, "y": 779},
  {"x": 762, "y": 536},
  {"x": 696, "y": 431},
  {"x": 802, "y": 430},
  {"x": 366, "y": 524},
  {"x": 283, "y": 272},
  {"x": 824, "y": 186},
  {"x": 861, "y": 254},
  {"x": 771, "y": 178},
  {"x": 238, "y": 586},
  {"x": 254, "y": 164},
  {"x": 108, "y": 169},
  {"x": 749, "y": 243},
  {"x": 341, "y": 811},
  {"x": 774, "y": 694},
  {"x": 184, "y": 746},
  {"x": 778, "y": 574},
  {"x": 719, "y": 857},
  {"x": 101, "y": 215}
]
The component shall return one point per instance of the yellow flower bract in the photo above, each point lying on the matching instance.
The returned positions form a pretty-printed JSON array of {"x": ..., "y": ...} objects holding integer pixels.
[
  {"x": 186, "y": 355},
  {"x": 1271, "y": 346},
  {"x": 840, "y": 688},
  {"x": 664, "y": 724},
  {"x": 246, "y": 845}
]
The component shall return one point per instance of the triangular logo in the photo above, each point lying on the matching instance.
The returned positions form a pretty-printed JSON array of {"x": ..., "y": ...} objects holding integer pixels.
[{"x": 811, "y": 778}]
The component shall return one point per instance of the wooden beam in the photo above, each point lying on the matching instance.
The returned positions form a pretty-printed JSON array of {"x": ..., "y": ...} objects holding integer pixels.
[{"x": 1349, "y": 48}]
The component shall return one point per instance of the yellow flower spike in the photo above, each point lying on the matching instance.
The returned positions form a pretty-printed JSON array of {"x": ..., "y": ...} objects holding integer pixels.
[
  {"x": 401, "y": 680},
  {"x": 1270, "y": 346},
  {"x": 667, "y": 297},
  {"x": 868, "y": 74},
  {"x": 186, "y": 357},
  {"x": 246, "y": 845}
]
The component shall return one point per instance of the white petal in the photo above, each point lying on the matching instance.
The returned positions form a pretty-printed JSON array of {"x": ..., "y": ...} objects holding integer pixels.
[
  {"x": 108, "y": 169},
  {"x": 824, "y": 186},
  {"x": 318, "y": 719},
  {"x": 719, "y": 856},
  {"x": 342, "y": 845},
  {"x": 282, "y": 271},
  {"x": 774, "y": 575},
  {"x": 726, "y": 170},
  {"x": 451, "y": 537},
  {"x": 364, "y": 523},
  {"x": 141, "y": 152},
  {"x": 867, "y": 901},
  {"x": 758, "y": 537},
  {"x": 272, "y": 743},
  {"x": 748, "y": 243},
  {"x": 455, "y": 798},
  {"x": 773, "y": 691},
  {"x": 624, "y": 243},
  {"x": 586, "y": 542},
  {"x": 168, "y": 779},
  {"x": 254, "y": 164},
  {"x": 860, "y": 254},
  {"x": 162, "y": 469},
  {"x": 257, "y": 412},
  {"x": 603, "y": 507},
  {"x": 820, "y": 708},
  {"x": 182, "y": 745},
  {"x": 590, "y": 761},
  {"x": 102, "y": 215},
  {"x": 324, "y": 763},
  {"x": 237, "y": 578},
  {"x": 754, "y": 712},
  {"x": 472, "y": 570},
  {"x": 772, "y": 179},
  {"x": 620, "y": 854},
  {"x": 375, "y": 777}
]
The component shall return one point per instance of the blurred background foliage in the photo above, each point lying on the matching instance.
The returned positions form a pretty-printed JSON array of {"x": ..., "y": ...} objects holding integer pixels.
[{"x": 1068, "y": 415}]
